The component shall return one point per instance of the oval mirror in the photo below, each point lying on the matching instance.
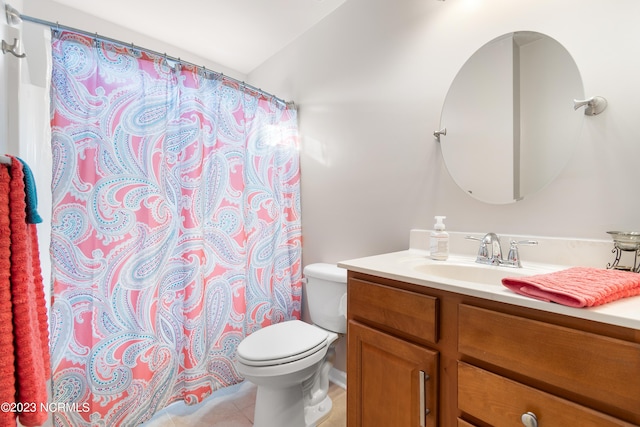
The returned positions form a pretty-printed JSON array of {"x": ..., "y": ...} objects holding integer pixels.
[{"x": 509, "y": 117}]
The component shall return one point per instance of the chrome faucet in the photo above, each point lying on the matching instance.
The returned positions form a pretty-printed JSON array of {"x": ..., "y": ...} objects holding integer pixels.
[{"x": 490, "y": 251}]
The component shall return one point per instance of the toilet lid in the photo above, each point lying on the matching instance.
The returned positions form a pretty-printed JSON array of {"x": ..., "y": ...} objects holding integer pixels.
[{"x": 281, "y": 343}]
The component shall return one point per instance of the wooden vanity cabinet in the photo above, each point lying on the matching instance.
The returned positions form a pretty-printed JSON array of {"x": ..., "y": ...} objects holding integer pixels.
[{"x": 487, "y": 363}]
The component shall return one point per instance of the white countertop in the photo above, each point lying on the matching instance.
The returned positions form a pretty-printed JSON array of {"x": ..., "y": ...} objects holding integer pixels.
[{"x": 404, "y": 266}]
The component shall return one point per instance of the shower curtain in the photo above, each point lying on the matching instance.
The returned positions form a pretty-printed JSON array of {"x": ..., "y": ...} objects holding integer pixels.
[{"x": 175, "y": 230}]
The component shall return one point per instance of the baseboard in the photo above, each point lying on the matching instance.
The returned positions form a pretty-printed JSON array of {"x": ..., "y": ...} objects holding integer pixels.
[{"x": 338, "y": 377}]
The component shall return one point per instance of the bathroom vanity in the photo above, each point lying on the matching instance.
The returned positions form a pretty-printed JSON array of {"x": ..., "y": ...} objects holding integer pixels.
[{"x": 443, "y": 351}]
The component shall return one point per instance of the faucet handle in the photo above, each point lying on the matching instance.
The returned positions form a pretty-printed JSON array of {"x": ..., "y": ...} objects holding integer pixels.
[
  {"x": 483, "y": 245},
  {"x": 513, "y": 258},
  {"x": 483, "y": 252},
  {"x": 523, "y": 242}
]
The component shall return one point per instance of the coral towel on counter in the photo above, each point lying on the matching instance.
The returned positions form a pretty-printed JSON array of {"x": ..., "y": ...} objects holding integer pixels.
[
  {"x": 24, "y": 339},
  {"x": 577, "y": 286}
]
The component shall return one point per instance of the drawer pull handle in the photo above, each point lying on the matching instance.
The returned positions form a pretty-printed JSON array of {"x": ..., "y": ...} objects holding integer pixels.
[
  {"x": 424, "y": 411},
  {"x": 529, "y": 419}
]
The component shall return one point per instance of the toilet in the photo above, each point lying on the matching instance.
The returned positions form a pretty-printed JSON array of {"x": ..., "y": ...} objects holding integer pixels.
[{"x": 290, "y": 361}]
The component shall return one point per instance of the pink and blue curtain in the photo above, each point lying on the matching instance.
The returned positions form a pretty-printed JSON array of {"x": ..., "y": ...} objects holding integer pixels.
[{"x": 176, "y": 229}]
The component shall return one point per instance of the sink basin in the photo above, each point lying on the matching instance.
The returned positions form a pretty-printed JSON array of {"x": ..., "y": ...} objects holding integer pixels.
[{"x": 475, "y": 273}]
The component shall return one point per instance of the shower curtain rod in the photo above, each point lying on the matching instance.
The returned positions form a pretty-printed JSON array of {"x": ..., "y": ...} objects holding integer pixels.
[{"x": 14, "y": 17}]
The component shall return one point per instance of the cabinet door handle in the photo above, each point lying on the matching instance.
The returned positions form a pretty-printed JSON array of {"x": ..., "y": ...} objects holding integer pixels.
[
  {"x": 529, "y": 419},
  {"x": 424, "y": 411}
]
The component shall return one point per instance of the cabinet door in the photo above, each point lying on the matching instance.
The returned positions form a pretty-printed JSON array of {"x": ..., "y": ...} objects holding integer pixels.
[{"x": 391, "y": 382}]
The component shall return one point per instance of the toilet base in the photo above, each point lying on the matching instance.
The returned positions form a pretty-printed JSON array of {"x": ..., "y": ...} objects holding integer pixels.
[
  {"x": 314, "y": 415},
  {"x": 281, "y": 407}
]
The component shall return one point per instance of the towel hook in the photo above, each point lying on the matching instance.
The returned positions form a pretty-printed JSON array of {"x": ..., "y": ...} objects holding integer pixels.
[
  {"x": 594, "y": 105},
  {"x": 12, "y": 48}
]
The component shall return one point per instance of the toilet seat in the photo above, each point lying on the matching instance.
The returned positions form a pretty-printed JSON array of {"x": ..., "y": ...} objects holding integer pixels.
[{"x": 282, "y": 343}]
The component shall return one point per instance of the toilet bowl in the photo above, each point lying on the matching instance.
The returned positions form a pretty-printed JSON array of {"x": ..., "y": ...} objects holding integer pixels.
[{"x": 290, "y": 361}]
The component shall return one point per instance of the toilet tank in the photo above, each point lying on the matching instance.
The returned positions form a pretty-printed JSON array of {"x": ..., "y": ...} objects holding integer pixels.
[{"x": 327, "y": 296}]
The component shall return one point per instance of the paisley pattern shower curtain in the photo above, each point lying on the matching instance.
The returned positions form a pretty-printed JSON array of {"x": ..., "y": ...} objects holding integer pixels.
[{"x": 176, "y": 229}]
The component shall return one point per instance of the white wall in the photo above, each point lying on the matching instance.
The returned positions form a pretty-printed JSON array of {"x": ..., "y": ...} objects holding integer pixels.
[
  {"x": 370, "y": 81},
  {"x": 50, "y": 10}
]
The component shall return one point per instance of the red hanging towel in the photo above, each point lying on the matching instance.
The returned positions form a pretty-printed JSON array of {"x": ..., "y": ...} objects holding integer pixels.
[
  {"x": 29, "y": 309},
  {"x": 7, "y": 369}
]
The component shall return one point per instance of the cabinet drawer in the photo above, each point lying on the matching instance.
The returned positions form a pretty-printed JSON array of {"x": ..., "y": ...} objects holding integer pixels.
[
  {"x": 406, "y": 313},
  {"x": 499, "y": 401},
  {"x": 599, "y": 368}
]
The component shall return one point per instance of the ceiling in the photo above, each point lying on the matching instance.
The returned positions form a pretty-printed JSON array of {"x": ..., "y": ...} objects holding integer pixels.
[{"x": 237, "y": 34}]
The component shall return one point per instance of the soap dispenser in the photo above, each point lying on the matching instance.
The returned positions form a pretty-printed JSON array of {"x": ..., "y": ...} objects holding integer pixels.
[{"x": 439, "y": 244}]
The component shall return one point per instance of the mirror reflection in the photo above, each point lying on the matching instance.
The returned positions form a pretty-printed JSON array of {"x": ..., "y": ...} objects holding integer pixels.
[{"x": 509, "y": 117}]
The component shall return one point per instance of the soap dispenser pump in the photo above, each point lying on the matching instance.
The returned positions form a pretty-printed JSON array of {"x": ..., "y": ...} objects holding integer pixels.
[{"x": 439, "y": 244}]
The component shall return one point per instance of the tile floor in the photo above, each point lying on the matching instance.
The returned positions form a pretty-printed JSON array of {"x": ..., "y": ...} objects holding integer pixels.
[{"x": 233, "y": 407}]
